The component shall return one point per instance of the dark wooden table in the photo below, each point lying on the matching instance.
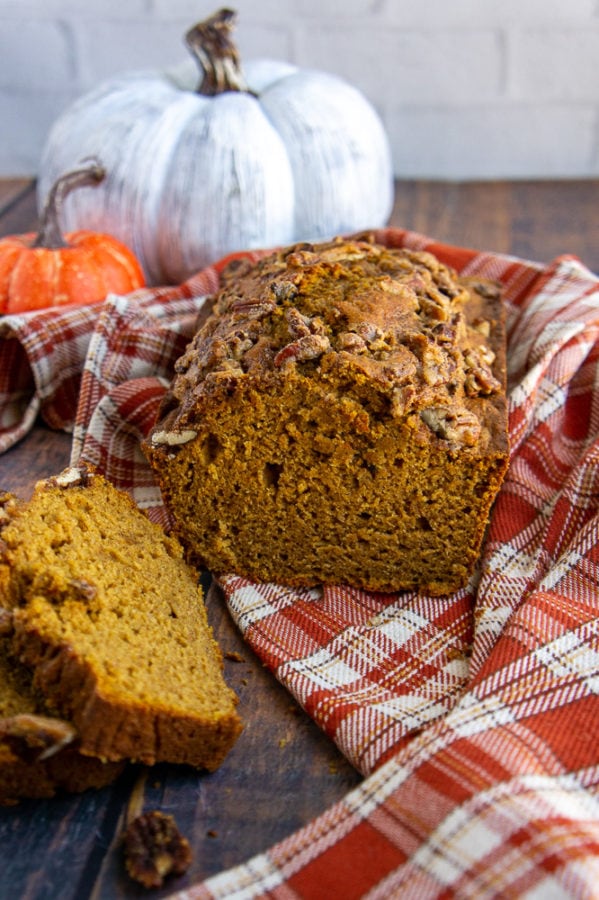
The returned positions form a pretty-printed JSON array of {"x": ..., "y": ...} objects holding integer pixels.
[{"x": 283, "y": 771}]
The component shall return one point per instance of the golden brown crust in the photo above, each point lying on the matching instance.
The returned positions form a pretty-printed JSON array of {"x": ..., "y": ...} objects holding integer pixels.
[{"x": 324, "y": 370}]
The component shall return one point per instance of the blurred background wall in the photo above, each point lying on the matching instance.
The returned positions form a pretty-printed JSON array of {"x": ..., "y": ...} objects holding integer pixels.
[{"x": 467, "y": 89}]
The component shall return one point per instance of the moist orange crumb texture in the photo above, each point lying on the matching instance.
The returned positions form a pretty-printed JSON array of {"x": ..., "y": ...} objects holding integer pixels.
[
  {"x": 340, "y": 418},
  {"x": 109, "y": 618}
]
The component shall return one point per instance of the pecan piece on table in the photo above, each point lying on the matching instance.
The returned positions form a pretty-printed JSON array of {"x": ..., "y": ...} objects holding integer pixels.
[{"x": 154, "y": 848}]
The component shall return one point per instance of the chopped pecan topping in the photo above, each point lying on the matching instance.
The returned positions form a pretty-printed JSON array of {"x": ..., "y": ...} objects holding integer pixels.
[
  {"x": 379, "y": 344},
  {"x": 239, "y": 343},
  {"x": 299, "y": 325},
  {"x": 347, "y": 307},
  {"x": 218, "y": 350},
  {"x": 301, "y": 257},
  {"x": 448, "y": 332},
  {"x": 174, "y": 438},
  {"x": 351, "y": 342},
  {"x": 458, "y": 426},
  {"x": 437, "y": 365},
  {"x": 71, "y": 477},
  {"x": 435, "y": 306},
  {"x": 284, "y": 290},
  {"x": 479, "y": 377},
  {"x": 253, "y": 309},
  {"x": 309, "y": 347},
  {"x": 402, "y": 400},
  {"x": 154, "y": 848},
  {"x": 228, "y": 366},
  {"x": 369, "y": 333}
]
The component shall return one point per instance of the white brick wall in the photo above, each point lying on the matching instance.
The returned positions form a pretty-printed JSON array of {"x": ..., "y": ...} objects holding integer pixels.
[{"x": 467, "y": 89}]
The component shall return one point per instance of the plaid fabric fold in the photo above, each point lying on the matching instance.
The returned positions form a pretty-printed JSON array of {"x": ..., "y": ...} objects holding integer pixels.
[
  {"x": 474, "y": 718},
  {"x": 41, "y": 361}
]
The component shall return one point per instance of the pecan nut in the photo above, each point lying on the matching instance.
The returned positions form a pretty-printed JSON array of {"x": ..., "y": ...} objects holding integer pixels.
[
  {"x": 154, "y": 848},
  {"x": 32, "y": 737},
  {"x": 351, "y": 342},
  {"x": 457, "y": 425},
  {"x": 310, "y": 347},
  {"x": 479, "y": 375}
]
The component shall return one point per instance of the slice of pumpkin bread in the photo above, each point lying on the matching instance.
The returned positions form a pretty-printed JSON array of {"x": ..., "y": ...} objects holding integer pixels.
[
  {"x": 39, "y": 754},
  {"x": 111, "y": 622}
]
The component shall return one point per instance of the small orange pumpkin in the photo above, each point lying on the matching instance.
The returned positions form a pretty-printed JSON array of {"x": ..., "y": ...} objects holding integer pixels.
[{"x": 48, "y": 269}]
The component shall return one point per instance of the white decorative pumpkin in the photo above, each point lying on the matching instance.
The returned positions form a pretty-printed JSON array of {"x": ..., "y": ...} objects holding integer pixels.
[{"x": 194, "y": 174}]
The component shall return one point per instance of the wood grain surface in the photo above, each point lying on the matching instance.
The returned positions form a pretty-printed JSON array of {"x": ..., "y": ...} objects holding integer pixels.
[{"x": 283, "y": 770}]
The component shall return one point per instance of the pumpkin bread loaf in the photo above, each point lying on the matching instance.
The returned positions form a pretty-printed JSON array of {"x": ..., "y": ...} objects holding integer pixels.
[
  {"x": 110, "y": 621},
  {"x": 340, "y": 418}
]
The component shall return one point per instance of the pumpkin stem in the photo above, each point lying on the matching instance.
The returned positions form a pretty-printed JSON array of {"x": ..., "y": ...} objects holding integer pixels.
[
  {"x": 49, "y": 234},
  {"x": 211, "y": 45}
]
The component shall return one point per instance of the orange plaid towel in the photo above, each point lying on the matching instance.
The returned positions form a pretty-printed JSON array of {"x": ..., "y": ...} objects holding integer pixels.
[{"x": 474, "y": 718}]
